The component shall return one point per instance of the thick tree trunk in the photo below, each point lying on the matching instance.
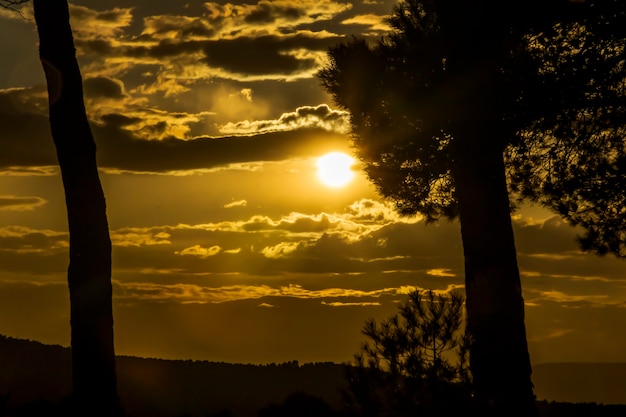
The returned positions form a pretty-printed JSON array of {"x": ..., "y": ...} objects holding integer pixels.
[
  {"x": 89, "y": 272},
  {"x": 499, "y": 357},
  {"x": 478, "y": 41}
]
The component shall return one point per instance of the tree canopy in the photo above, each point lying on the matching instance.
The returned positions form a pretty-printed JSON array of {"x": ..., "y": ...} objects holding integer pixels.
[
  {"x": 554, "y": 99},
  {"x": 570, "y": 154}
]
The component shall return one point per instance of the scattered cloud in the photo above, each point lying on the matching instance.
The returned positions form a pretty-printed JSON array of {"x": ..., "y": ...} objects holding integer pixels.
[
  {"x": 190, "y": 293},
  {"x": 22, "y": 12},
  {"x": 179, "y": 48},
  {"x": 270, "y": 17},
  {"x": 555, "y": 256},
  {"x": 371, "y": 211},
  {"x": 341, "y": 304},
  {"x": 139, "y": 237},
  {"x": 373, "y": 22},
  {"x": 232, "y": 251},
  {"x": 92, "y": 24},
  {"x": 104, "y": 87},
  {"x": 20, "y": 203},
  {"x": 199, "y": 251},
  {"x": 321, "y": 116},
  {"x": 24, "y": 249},
  {"x": 161, "y": 137},
  {"x": 281, "y": 250},
  {"x": 565, "y": 298},
  {"x": 236, "y": 203},
  {"x": 26, "y": 171},
  {"x": 441, "y": 272}
]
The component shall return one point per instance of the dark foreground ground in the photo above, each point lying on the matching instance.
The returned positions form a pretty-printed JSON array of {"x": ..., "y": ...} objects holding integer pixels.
[{"x": 35, "y": 380}]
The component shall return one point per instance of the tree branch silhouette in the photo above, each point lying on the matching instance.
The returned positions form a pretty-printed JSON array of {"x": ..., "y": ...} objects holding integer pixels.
[
  {"x": 414, "y": 362},
  {"x": 437, "y": 103}
]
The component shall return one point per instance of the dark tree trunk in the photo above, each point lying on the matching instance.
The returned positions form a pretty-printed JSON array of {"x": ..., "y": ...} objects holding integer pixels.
[
  {"x": 89, "y": 272},
  {"x": 499, "y": 357},
  {"x": 478, "y": 42}
]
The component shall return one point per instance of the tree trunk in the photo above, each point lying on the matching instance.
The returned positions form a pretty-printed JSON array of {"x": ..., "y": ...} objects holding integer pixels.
[
  {"x": 478, "y": 41},
  {"x": 89, "y": 272},
  {"x": 499, "y": 358}
]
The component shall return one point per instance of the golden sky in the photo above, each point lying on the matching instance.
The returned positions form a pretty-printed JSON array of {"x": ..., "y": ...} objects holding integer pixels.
[{"x": 228, "y": 246}]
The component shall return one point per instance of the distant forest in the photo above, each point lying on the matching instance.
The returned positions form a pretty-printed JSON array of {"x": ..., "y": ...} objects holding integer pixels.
[
  {"x": 32, "y": 372},
  {"x": 35, "y": 381}
]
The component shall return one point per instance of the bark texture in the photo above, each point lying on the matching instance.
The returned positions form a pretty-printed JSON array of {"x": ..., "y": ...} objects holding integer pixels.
[{"x": 89, "y": 271}]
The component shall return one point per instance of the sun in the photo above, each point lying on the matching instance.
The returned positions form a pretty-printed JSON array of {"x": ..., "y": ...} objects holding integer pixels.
[{"x": 334, "y": 169}]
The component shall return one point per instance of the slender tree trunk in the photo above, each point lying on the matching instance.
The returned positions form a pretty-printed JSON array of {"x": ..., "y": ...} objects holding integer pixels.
[
  {"x": 499, "y": 357},
  {"x": 89, "y": 272}
]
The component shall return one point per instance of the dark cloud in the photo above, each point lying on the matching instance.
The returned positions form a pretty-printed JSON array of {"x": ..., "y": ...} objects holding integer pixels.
[
  {"x": 24, "y": 132},
  {"x": 85, "y": 16},
  {"x": 168, "y": 48},
  {"x": 140, "y": 7},
  {"x": 165, "y": 48},
  {"x": 33, "y": 251},
  {"x": 115, "y": 119},
  {"x": 264, "y": 54},
  {"x": 269, "y": 54},
  {"x": 183, "y": 27},
  {"x": 22, "y": 239},
  {"x": 119, "y": 149},
  {"x": 267, "y": 12},
  {"x": 25, "y": 140},
  {"x": 20, "y": 61},
  {"x": 97, "y": 46},
  {"x": 105, "y": 87},
  {"x": 20, "y": 203},
  {"x": 550, "y": 236}
]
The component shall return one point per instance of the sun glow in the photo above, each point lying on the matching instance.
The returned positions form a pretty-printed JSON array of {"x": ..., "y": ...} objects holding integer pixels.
[{"x": 334, "y": 169}]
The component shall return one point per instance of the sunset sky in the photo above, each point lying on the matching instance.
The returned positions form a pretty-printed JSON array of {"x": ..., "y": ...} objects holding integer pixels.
[{"x": 228, "y": 246}]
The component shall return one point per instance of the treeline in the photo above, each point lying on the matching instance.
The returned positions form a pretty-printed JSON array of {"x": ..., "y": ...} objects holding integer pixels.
[
  {"x": 35, "y": 382},
  {"x": 35, "y": 377}
]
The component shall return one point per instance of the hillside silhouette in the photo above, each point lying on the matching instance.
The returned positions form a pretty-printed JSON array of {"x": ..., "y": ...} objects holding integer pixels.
[{"x": 33, "y": 373}]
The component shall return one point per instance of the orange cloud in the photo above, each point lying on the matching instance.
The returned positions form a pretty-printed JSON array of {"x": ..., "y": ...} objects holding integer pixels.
[
  {"x": 190, "y": 293},
  {"x": 340, "y": 304},
  {"x": 199, "y": 251},
  {"x": 375, "y": 23},
  {"x": 321, "y": 116}
]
